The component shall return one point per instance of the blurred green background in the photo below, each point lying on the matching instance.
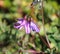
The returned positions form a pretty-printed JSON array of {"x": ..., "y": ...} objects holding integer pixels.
[{"x": 13, "y": 40}]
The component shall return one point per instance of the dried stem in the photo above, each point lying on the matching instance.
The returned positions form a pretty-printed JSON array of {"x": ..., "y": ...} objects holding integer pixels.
[
  {"x": 43, "y": 40},
  {"x": 44, "y": 26}
]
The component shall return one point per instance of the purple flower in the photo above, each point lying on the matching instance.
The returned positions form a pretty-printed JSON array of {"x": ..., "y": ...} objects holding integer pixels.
[{"x": 28, "y": 25}]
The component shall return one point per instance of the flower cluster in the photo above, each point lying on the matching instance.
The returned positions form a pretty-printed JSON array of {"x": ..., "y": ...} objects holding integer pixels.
[{"x": 27, "y": 24}]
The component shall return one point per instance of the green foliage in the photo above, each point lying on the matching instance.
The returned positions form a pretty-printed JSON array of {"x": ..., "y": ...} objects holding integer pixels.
[{"x": 13, "y": 40}]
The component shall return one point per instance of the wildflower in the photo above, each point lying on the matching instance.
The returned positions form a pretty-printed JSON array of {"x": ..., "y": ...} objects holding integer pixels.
[{"x": 27, "y": 24}]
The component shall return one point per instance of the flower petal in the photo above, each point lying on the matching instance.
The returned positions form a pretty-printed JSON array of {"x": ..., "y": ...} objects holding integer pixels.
[
  {"x": 34, "y": 27},
  {"x": 19, "y": 20},
  {"x": 17, "y": 26},
  {"x": 23, "y": 23},
  {"x": 27, "y": 28}
]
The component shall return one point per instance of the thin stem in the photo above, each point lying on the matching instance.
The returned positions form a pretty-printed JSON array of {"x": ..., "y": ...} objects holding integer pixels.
[
  {"x": 43, "y": 40},
  {"x": 43, "y": 24}
]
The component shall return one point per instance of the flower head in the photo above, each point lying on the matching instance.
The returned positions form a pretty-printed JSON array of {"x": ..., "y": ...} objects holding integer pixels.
[{"x": 27, "y": 24}]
